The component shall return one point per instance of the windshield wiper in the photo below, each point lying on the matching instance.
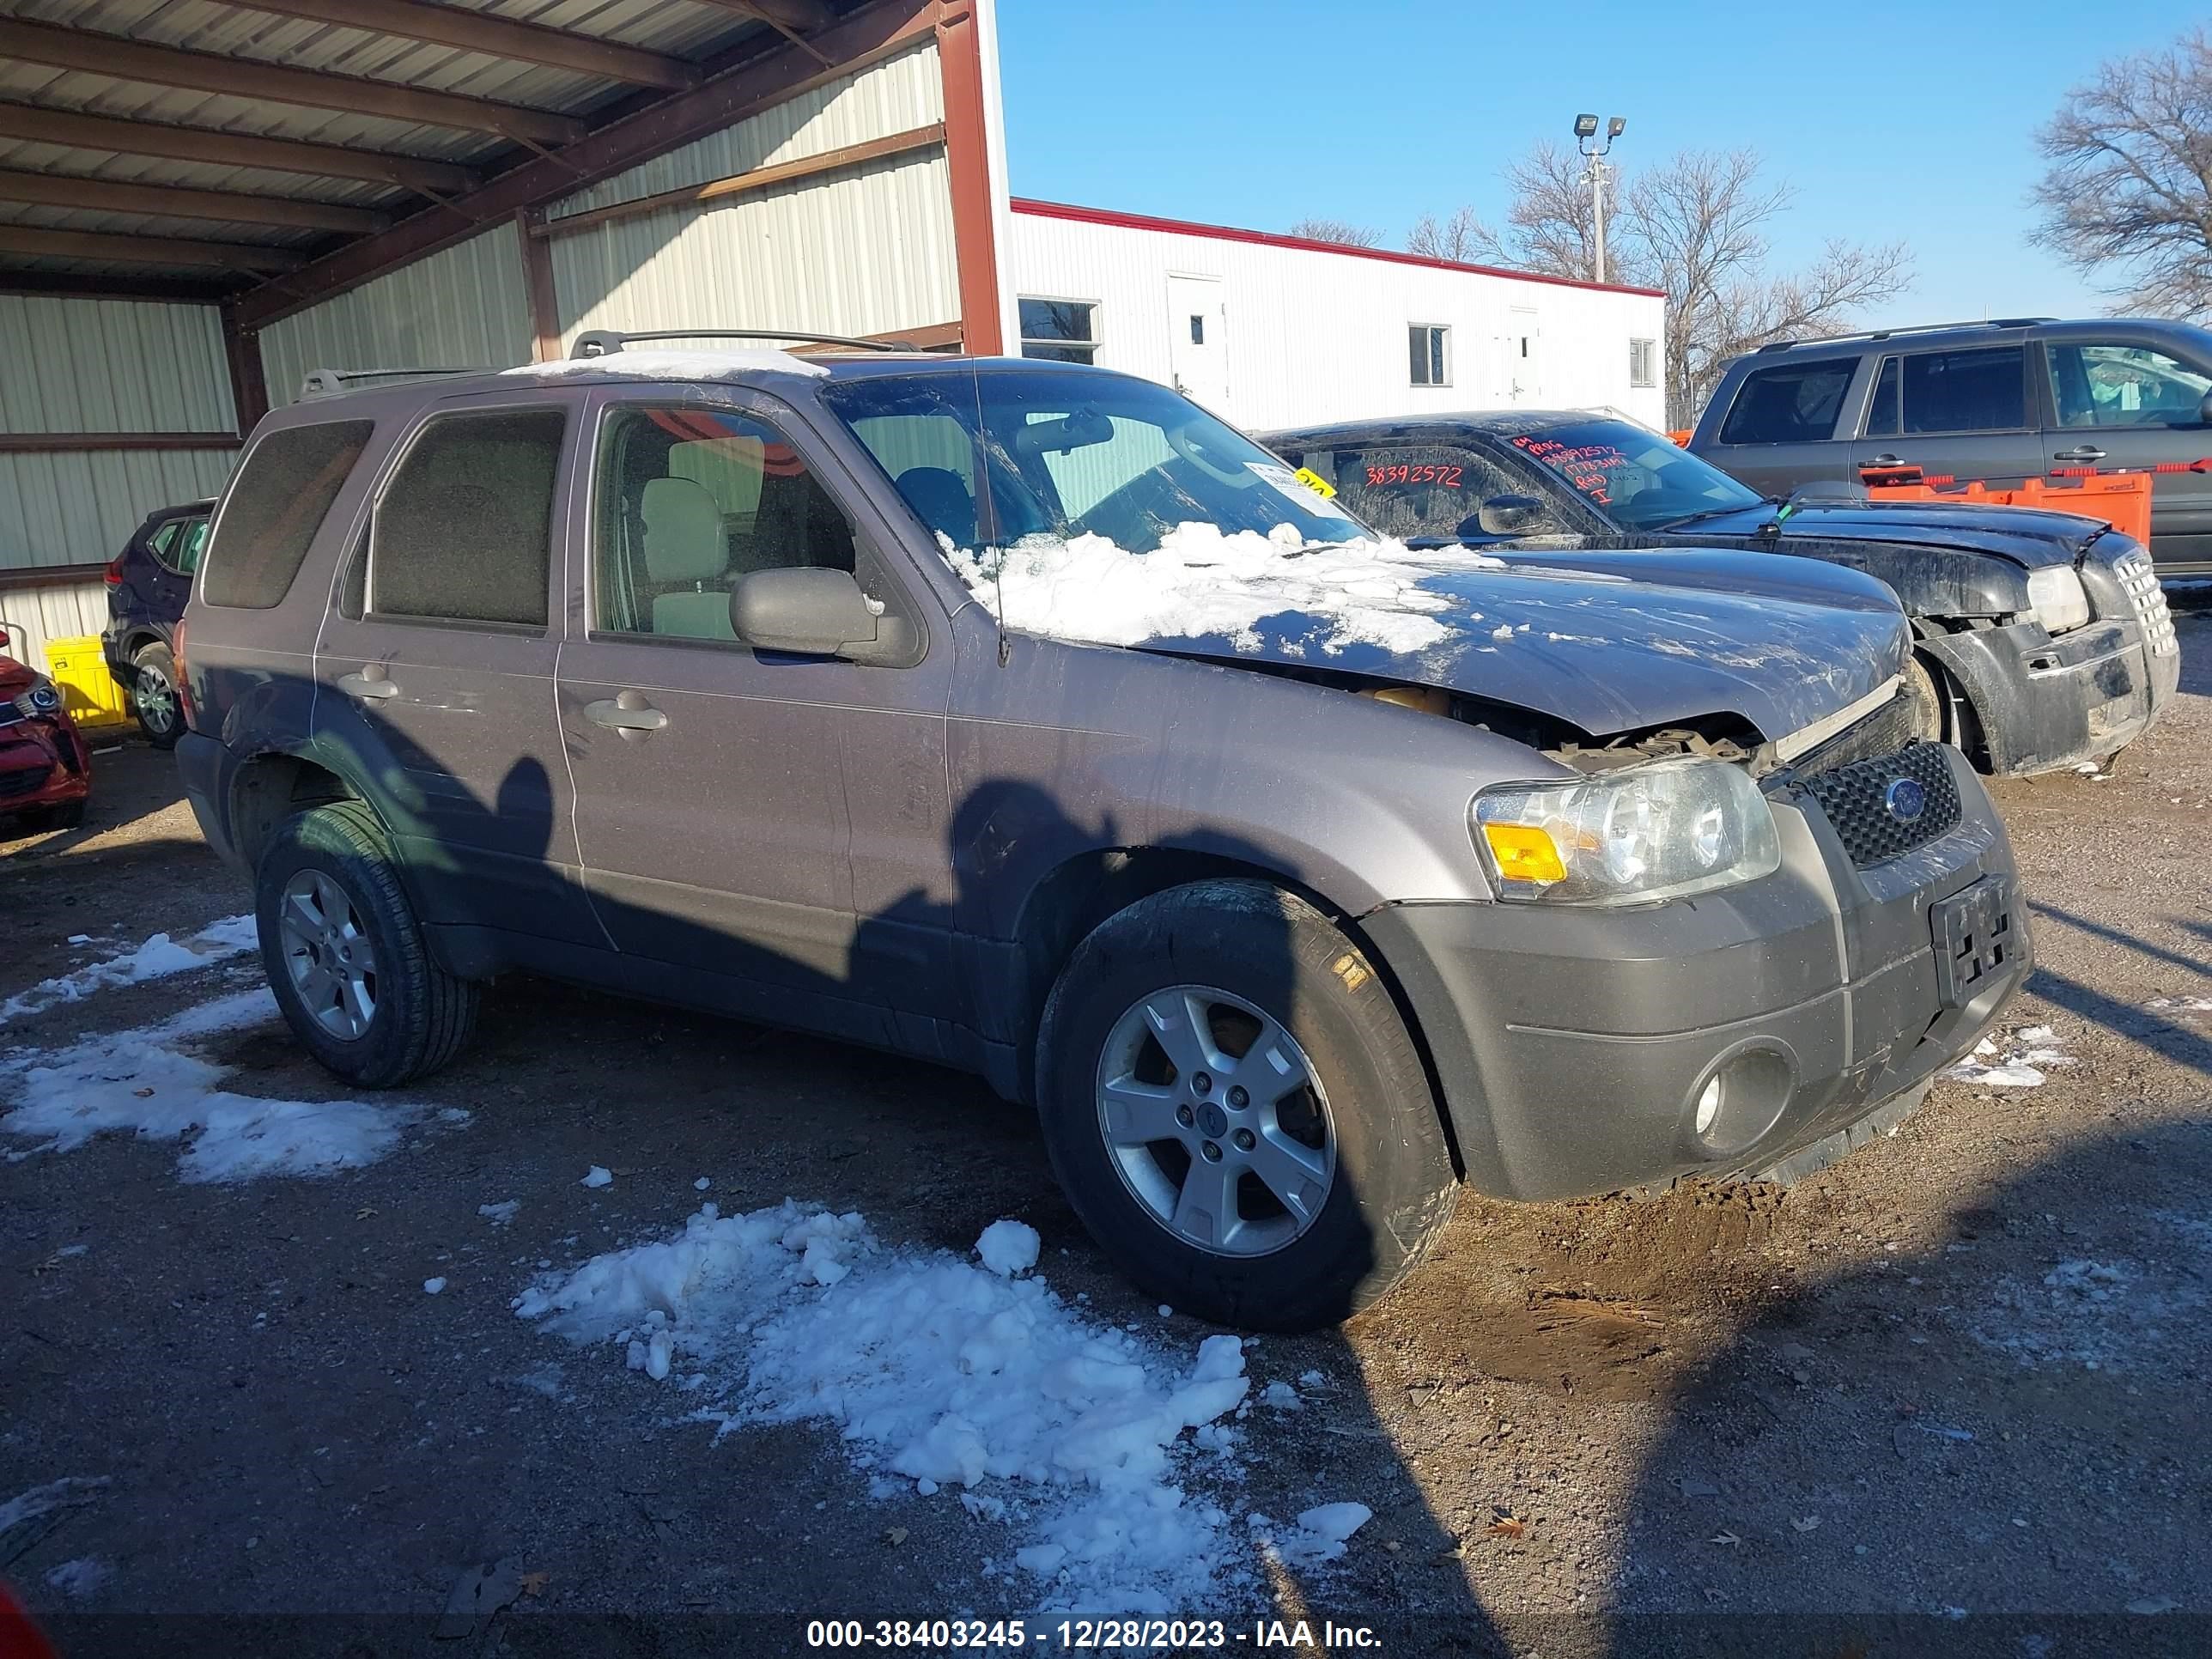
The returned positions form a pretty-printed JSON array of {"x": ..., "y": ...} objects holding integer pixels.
[{"x": 1718, "y": 511}]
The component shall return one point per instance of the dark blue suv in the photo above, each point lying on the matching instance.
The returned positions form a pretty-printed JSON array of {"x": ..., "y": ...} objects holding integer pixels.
[{"x": 148, "y": 583}]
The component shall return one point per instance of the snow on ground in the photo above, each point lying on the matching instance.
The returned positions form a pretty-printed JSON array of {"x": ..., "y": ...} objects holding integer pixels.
[
  {"x": 78, "y": 1578},
  {"x": 1199, "y": 581},
  {"x": 150, "y": 1082},
  {"x": 158, "y": 958},
  {"x": 2019, "y": 1062},
  {"x": 949, "y": 1377},
  {"x": 65, "y": 1494}
]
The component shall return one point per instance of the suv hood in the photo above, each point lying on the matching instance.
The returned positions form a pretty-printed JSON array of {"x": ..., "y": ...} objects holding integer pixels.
[
  {"x": 1623, "y": 641},
  {"x": 2031, "y": 537}
]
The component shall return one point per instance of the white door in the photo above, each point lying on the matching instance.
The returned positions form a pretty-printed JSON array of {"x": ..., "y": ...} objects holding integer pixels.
[
  {"x": 1524, "y": 358},
  {"x": 1197, "y": 350}
]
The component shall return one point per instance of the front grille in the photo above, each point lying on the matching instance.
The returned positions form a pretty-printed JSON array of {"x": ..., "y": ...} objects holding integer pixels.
[
  {"x": 1855, "y": 798},
  {"x": 23, "y": 782},
  {"x": 2140, "y": 578}
]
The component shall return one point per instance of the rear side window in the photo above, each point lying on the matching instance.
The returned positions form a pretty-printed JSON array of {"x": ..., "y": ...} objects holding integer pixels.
[
  {"x": 277, "y": 505},
  {"x": 1789, "y": 403},
  {"x": 1984, "y": 391},
  {"x": 465, "y": 530}
]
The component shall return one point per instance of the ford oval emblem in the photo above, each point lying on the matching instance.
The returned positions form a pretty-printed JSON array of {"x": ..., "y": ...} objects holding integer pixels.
[{"x": 1905, "y": 799}]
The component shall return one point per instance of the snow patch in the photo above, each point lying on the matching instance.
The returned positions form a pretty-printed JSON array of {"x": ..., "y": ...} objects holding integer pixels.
[
  {"x": 156, "y": 958},
  {"x": 597, "y": 1176},
  {"x": 79, "y": 1578},
  {"x": 149, "y": 1083},
  {"x": 731, "y": 365},
  {"x": 1319, "y": 1535},
  {"x": 432, "y": 1286},
  {"x": 501, "y": 1213},
  {"x": 2023, "y": 1061},
  {"x": 940, "y": 1371},
  {"x": 1199, "y": 581},
  {"x": 67, "y": 1492},
  {"x": 1008, "y": 1247}
]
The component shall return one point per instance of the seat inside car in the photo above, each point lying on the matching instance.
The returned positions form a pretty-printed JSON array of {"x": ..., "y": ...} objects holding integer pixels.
[
  {"x": 941, "y": 499},
  {"x": 685, "y": 553}
]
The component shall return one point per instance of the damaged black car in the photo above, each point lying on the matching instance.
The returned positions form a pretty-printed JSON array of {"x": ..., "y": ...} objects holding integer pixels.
[{"x": 2041, "y": 639}]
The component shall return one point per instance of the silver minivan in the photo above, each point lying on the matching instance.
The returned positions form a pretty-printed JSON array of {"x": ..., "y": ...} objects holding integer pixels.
[{"x": 1022, "y": 717}]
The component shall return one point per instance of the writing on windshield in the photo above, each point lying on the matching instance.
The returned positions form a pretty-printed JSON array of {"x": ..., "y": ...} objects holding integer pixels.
[{"x": 1588, "y": 467}]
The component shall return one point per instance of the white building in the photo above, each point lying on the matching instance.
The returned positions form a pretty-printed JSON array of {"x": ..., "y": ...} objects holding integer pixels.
[{"x": 1276, "y": 331}]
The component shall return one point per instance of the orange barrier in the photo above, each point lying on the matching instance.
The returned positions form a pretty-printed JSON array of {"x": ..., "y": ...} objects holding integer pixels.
[
  {"x": 2121, "y": 500},
  {"x": 1681, "y": 440}
]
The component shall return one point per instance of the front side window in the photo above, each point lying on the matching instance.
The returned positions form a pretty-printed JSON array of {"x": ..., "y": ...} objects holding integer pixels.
[
  {"x": 689, "y": 501},
  {"x": 1637, "y": 479},
  {"x": 2123, "y": 385},
  {"x": 1062, "y": 331},
  {"x": 994, "y": 458},
  {"x": 1789, "y": 403},
  {"x": 1413, "y": 489},
  {"x": 1642, "y": 363},
  {"x": 275, "y": 504},
  {"x": 465, "y": 530},
  {"x": 1428, "y": 350}
]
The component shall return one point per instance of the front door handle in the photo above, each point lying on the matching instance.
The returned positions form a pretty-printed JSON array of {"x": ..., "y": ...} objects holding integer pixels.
[
  {"x": 367, "y": 690},
  {"x": 626, "y": 714},
  {"x": 2079, "y": 452},
  {"x": 1885, "y": 460}
]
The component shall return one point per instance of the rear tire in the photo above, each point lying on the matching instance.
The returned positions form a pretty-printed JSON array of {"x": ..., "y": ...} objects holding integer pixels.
[
  {"x": 1248, "y": 963},
  {"x": 346, "y": 956},
  {"x": 154, "y": 696}
]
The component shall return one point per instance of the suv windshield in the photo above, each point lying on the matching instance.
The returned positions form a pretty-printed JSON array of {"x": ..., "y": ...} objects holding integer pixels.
[
  {"x": 1066, "y": 453},
  {"x": 1639, "y": 479}
]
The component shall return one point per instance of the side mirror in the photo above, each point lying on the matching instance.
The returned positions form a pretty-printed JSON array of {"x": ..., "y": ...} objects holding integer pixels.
[
  {"x": 2205, "y": 410},
  {"x": 1511, "y": 516},
  {"x": 812, "y": 612}
]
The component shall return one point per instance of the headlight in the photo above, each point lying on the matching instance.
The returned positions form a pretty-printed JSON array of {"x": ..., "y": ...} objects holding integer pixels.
[
  {"x": 1646, "y": 833},
  {"x": 2055, "y": 597},
  {"x": 37, "y": 699}
]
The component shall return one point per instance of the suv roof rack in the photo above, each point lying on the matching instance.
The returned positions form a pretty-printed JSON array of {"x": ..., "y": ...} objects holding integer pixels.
[
  {"x": 331, "y": 382},
  {"x": 1915, "y": 328},
  {"x": 599, "y": 342}
]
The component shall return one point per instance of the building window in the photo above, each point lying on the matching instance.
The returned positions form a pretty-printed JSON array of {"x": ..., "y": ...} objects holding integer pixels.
[
  {"x": 1642, "y": 363},
  {"x": 1429, "y": 352},
  {"x": 1064, "y": 330}
]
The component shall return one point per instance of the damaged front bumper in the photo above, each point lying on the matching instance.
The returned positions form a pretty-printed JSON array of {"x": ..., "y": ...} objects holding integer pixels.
[
  {"x": 2045, "y": 702},
  {"x": 43, "y": 763},
  {"x": 1585, "y": 1050}
]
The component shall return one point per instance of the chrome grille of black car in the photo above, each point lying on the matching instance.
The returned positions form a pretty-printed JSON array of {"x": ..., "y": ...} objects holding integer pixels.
[
  {"x": 1856, "y": 800},
  {"x": 2140, "y": 578}
]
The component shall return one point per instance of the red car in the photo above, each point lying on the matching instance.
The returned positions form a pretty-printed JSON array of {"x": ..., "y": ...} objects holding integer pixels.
[{"x": 45, "y": 773}]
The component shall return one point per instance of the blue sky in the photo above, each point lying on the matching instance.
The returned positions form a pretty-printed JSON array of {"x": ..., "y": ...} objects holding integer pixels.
[{"x": 1256, "y": 115}]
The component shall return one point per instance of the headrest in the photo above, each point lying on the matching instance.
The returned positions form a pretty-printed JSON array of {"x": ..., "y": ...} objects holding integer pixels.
[
  {"x": 684, "y": 540},
  {"x": 941, "y": 499}
]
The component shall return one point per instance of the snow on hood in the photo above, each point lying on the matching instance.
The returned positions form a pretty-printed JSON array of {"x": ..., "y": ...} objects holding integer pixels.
[
  {"x": 1200, "y": 582},
  {"x": 1606, "y": 642}
]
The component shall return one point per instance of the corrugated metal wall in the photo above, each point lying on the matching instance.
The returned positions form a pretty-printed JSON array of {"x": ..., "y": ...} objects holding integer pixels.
[
  {"x": 465, "y": 307},
  {"x": 862, "y": 250},
  {"x": 1315, "y": 336},
  {"x": 99, "y": 366}
]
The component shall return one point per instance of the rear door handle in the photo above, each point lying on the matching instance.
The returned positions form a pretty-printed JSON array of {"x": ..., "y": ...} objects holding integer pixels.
[
  {"x": 2082, "y": 453},
  {"x": 637, "y": 715},
  {"x": 368, "y": 690}
]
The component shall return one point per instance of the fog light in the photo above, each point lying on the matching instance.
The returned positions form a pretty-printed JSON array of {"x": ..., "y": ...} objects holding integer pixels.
[{"x": 1708, "y": 1107}]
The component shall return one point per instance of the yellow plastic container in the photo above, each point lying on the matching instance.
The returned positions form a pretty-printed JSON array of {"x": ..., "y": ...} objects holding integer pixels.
[{"x": 89, "y": 690}]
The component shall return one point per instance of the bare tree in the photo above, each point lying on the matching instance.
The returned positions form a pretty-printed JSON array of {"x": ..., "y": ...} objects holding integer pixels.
[
  {"x": 1336, "y": 230},
  {"x": 2128, "y": 198},
  {"x": 1694, "y": 226},
  {"x": 1462, "y": 237}
]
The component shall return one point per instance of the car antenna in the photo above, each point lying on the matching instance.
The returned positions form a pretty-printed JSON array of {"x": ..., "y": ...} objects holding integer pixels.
[{"x": 987, "y": 530}]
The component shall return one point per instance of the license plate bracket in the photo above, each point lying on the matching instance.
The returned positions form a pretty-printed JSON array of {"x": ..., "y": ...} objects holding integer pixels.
[{"x": 1977, "y": 939}]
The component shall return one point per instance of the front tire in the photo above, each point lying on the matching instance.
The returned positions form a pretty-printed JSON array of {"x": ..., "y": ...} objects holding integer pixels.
[
  {"x": 154, "y": 696},
  {"x": 346, "y": 956},
  {"x": 1235, "y": 1109}
]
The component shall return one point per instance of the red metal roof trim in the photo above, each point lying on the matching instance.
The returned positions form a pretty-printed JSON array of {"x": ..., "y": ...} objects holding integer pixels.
[{"x": 1269, "y": 239}]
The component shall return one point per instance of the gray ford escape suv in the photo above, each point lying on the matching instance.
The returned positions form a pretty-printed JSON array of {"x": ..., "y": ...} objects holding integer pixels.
[{"x": 1022, "y": 717}]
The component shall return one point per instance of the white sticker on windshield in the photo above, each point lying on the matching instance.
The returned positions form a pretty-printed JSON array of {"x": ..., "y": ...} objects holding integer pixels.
[{"x": 1286, "y": 484}]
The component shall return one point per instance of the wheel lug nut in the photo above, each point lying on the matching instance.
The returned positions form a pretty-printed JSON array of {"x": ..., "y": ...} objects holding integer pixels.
[
  {"x": 1238, "y": 1099},
  {"x": 1201, "y": 1084},
  {"x": 1212, "y": 1152},
  {"x": 1244, "y": 1141},
  {"x": 1185, "y": 1116}
]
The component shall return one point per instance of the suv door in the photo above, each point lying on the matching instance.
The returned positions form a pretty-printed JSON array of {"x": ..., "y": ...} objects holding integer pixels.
[
  {"x": 1962, "y": 414},
  {"x": 775, "y": 820},
  {"x": 434, "y": 665},
  {"x": 1785, "y": 426},
  {"x": 2122, "y": 403}
]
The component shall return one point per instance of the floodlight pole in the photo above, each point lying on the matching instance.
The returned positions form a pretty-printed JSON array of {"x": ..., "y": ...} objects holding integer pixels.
[{"x": 1596, "y": 174}]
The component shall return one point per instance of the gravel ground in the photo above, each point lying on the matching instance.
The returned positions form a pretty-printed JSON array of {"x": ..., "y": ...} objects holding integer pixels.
[{"x": 1953, "y": 1391}]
